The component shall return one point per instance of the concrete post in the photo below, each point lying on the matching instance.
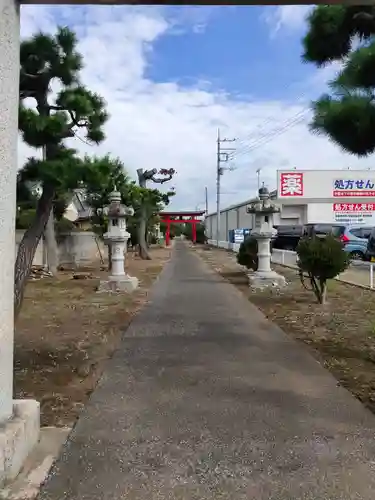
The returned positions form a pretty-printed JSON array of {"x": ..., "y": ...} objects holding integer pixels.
[
  {"x": 264, "y": 255},
  {"x": 9, "y": 92},
  {"x": 19, "y": 420},
  {"x": 118, "y": 246}
]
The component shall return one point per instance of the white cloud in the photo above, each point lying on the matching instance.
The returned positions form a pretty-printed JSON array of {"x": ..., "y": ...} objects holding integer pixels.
[
  {"x": 289, "y": 18},
  {"x": 166, "y": 125}
]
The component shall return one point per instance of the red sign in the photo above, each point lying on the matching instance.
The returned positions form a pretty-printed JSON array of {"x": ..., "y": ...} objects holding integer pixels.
[
  {"x": 291, "y": 184},
  {"x": 353, "y": 207}
]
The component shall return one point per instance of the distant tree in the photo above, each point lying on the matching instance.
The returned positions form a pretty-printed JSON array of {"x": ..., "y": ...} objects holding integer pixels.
[
  {"x": 148, "y": 201},
  {"x": 321, "y": 259},
  {"x": 175, "y": 229},
  {"x": 346, "y": 34},
  {"x": 101, "y": 176},
  {"x": 201, "y": 232},
  {"x": 46, "y": 59}
]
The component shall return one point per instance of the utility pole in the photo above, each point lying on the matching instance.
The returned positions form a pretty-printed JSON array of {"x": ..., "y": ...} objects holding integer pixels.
[
  {"x": 206, "y": 198},
  {"x": 222, "y": 156}
]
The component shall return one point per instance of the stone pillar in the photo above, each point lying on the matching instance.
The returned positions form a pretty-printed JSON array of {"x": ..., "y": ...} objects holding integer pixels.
[
  {"x": 118, "y": 259},
  {"x": 264, "y": 255},
  {"x": 19, "y": 420},
  {"x": 157, "y": 230},
  {"x": 9, "y": 92}
]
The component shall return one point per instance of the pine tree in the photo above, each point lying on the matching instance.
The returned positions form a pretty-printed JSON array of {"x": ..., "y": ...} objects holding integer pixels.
[
  {"x": 47, "y": 60},
  {"x": 345, "y": 34}
]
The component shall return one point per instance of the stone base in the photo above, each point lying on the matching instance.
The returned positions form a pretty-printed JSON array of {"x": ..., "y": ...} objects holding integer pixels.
[
  {"x": 126, "y": 285},
  {"x": 18, "y": 436},
  {"x": 260, "y": 280},
  {"x": 37, "y": 466}
]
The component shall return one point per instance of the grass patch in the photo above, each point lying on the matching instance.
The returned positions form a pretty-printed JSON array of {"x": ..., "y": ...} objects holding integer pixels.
[
  {"x": 66, "y": 330},
  {"x": 341, "y": 334}
]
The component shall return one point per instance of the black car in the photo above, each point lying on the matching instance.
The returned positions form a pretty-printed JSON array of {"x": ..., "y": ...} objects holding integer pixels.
[
  {"x": 322, "y": 230},
  {"x": 287, "y": 237}
]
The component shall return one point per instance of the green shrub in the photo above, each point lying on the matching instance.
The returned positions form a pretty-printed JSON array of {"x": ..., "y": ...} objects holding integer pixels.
[
  {"x": 248, "y": 253},
  {"x": 201, "y": 236},
  {"x": 321, "y": 259},
  {"x": 25, "y": 218}
]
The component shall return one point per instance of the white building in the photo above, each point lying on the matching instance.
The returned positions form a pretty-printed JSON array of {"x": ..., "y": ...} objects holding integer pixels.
[{"x": 308, "y": 196}]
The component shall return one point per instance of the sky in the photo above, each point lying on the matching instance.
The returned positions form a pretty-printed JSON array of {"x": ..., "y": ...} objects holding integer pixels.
[{"x": 172, "y": 76}]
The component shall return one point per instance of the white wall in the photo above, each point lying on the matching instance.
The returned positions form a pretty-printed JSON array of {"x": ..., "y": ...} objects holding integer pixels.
[
  {"x": 229, "y": 219},
  {"x": 237, "y": 217},
  {"x": 245, "y": 219},
  {"x": 40, "y": 255},
  {"x": 71, "y": 212},
  {"x": 292, "y": 214},
  {"x": 75, "y": 248},
  {"x": 232, "y": 219}
]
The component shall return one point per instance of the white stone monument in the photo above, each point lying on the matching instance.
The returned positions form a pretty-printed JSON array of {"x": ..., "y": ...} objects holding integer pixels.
[
  {"x": 117, "y": 238},
  {"x": 263, "y": 232},
  {"x": 158, "y": 234}
]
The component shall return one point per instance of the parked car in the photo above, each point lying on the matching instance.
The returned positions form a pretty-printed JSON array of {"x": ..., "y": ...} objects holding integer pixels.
[
  {"x": 322, "y": 230},
  {"x": 287, "y": 237},
  {"x": 354, "y": 238}
]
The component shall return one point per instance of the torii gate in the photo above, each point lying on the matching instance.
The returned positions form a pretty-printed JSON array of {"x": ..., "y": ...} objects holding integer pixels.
[
  {"x": 18, "y": 435},
  {"x": 179, "y": 218}
]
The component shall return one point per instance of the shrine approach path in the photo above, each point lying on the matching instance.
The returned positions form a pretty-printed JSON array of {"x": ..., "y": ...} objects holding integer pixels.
[{"x": 205, "y": 399}]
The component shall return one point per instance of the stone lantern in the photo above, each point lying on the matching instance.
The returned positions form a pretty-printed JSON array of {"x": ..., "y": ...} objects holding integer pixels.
[
  {"x": 116, "y": 238},
  {"x": 264, "y": 209}
]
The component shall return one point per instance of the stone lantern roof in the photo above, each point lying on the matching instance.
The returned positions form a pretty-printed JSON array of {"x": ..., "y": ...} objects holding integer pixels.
[
  {"x": 116, "y": 208},
  {"x": 264, "y": 193}
]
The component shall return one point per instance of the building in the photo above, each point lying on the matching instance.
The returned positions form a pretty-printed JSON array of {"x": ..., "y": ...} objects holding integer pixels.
[
  {"x": 78, "y": 211},
  {"x": 308, "y": 196},
  {"x": 236, "y": 217}
]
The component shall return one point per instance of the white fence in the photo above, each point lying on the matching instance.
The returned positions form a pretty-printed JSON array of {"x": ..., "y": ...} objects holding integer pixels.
[{"x": 360, "y": 273}]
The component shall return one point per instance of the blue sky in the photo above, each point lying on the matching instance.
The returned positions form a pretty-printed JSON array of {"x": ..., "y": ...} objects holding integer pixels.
[
  {"x": 172, "y": 75},
  {"x": 235, "y": 53}
]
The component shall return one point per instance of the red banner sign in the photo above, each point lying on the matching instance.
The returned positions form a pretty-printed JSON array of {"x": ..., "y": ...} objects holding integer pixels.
[{"x": 353, "y": 207}]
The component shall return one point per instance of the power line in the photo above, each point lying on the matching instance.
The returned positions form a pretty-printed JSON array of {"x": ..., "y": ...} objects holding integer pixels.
[
  {"x": 285, "y": 126},
  {"x": 270, "y": 119},
  {"x": 227, "y": 154},
  {"x": 268, "y": 137}
]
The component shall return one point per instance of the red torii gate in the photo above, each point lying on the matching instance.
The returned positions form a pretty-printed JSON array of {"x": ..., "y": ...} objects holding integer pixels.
[{"x": 179, "y": 218}]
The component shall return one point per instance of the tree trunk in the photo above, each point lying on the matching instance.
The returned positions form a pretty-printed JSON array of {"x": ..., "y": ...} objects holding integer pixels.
[
  {"x": 143, "y": 250},
  {"x": 109, "y": 257},
  {"x": 323, "y": 292},
  {"x": 28, "y": 246},
  {"x": 51, "y": 244}
]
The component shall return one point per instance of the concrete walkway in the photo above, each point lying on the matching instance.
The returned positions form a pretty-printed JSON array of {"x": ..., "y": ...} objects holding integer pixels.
[{"x": 207, "y": 400}]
